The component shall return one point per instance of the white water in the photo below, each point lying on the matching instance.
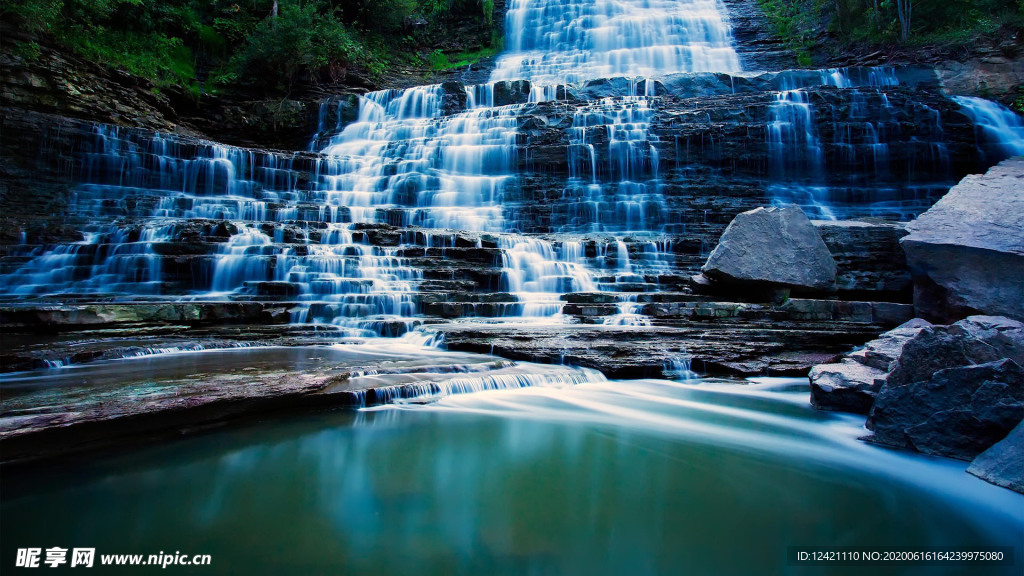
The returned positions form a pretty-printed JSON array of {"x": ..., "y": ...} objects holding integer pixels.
[
  {"x": 565, "y": 41},
  {"x": 407, "y": 163},
  {"x": 995, "y": 125},
  {"x": 403, "y": 163}
]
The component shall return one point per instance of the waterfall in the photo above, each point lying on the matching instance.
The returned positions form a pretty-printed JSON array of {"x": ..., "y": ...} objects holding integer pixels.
[
  {"x": 801, "y": 164},
  {"x": 347, "y": 232},
  {"x": 403, "y": 163},
  {"x": 996, "y": 127},
  {"x": 565, "y": 41}
]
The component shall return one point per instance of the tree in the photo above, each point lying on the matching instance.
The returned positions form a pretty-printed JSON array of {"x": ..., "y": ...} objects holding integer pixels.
[{"x": 904, "y": 9}]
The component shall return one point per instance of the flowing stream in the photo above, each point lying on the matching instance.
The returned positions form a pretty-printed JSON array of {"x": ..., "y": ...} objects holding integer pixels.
[{"x": 604, "y": 477}]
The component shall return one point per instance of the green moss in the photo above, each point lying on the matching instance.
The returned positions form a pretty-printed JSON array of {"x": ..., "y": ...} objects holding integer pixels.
[{"x": 440, "y": 61}]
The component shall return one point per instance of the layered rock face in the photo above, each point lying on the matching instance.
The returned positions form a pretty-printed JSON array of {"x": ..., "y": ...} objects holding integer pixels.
[
  {"x": 967, "y": 251},
  {"x": 702, "y": 161},
  {"x": 869, "y": 258},
  {"x": 455, "y": 201}
]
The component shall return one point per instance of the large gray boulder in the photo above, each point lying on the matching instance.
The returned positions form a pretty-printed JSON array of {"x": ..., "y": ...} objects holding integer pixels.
[
  {"x": 957, "y": 412},
  {"x": 1003, "y": 463},
  {"x": 955, "y": 390},
  {"x": 966, "y": 253},
  {"x": 776, "y": 246},
  {"x": 975, "y": 340},
  {"x": 852, "y": 384}
]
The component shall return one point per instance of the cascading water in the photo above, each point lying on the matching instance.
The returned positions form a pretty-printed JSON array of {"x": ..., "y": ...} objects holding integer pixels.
[
  {"x": 170, "y": 217},
  {"x": 998, "y": 129},
  {"x": 860, "y": 135},
  {"x": 402, "y": 163},
  {"x": 552, "y": 42}
]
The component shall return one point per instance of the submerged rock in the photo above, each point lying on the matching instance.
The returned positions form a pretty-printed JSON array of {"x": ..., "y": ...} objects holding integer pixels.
[
  {"x": 1003, "y": 463},
  {"x": 852, "y": 384},
  {"x": 776, "y": 246},
  {"x": 967, "y": 252}
]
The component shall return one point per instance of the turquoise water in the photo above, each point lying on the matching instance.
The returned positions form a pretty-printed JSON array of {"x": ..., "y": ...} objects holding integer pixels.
[{"x": 620, "y": 477}]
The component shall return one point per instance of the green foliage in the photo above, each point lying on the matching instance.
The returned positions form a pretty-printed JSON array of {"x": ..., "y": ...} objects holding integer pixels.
[
  {"x": 35, "y": 16},
  {"x": 202, "y": 44},
  {"x": 949, "y": 23},
  {"x": 1018, "y": 103},
  {"x": 27, "y": 50},
  {"x": 795, "y": 24},
  {"x": 301, "y": 39},
  {"x": 165, "y": 60}
]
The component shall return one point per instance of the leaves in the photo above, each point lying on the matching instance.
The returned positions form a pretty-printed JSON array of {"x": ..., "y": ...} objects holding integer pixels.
[{"x": 203, "y": 43}]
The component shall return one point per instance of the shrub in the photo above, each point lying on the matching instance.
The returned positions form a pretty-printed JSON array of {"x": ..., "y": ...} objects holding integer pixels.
[{"x": 302, "y": 39}]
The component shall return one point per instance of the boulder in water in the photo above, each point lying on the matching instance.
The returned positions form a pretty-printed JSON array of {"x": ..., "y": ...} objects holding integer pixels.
[
  {"x": 958, "y": 412},
  {"x": 848, "y": 386},
  {"x": 852, "y": 384},
  {"x": 1003, "y": 463},
  {"x": 966, "y": 253},
  {"x": 774, "y": 246},
  {"x": 975, "y": 340},
  {"x": 955, "y": 390}
]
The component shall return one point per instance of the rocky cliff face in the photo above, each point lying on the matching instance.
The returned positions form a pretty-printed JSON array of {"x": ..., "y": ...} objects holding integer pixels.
[
  {"x": 712, "y": 158},
  {"x": 605, "y": 198}
]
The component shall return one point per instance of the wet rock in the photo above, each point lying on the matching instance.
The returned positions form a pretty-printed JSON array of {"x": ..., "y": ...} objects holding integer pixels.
[
  {"x": 976, "y": 340},
  {"x": 853, "y": 384},
  {"x": 993, "y": 77},
  {"x": 71, "y": 317},
  {"x": 957, "y": 412},
  {"x": 967, "y": 252},
  {"x": 608, "y": 87},
  {"x": 954, "y": 390},
  {"x": 454, "y": 98},
  {"x": 758, "y": 44},
  {"x": 883, "y": 352},
  {"x": 730, "y": 346},
  {"x": 92, "y": 410},
  {"x": 869, "y": 259},
  {"x": 776, "y": 246},
  {"x": 845, "y": 387},
  {"x": 514, "y": 92},
  {"x": 1003, "y": 463}
]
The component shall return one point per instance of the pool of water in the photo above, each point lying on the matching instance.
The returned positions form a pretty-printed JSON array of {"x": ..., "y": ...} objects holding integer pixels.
[{"x": 614, "y": 477}]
